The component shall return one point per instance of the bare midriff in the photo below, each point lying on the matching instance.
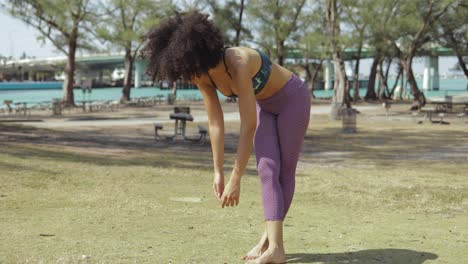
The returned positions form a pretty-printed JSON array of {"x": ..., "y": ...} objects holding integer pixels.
[
  {"x": 277, "y": 79},
  {"x": 278, "y": 76}
]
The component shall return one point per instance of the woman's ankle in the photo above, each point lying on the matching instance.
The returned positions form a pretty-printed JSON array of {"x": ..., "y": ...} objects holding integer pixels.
[
  {"x": 264, "y": 238},
  {"x": 275, "y": 246}
]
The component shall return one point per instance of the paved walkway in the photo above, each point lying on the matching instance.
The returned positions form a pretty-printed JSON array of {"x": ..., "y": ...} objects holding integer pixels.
[{"x": 232, "y": 116}]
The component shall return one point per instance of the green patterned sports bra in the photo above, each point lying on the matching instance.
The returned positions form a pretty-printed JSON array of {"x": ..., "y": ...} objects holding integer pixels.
[{"x": 260, "y": 78}]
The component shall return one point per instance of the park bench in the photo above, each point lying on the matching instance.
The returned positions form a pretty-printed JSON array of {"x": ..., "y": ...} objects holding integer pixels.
[
  {"x": 386, "y": 105},
  {"x": 22, "y": 108},
  {"x": 464, "y": 115},
  {"x": 430, "y": 111},
  {"x": 181, "y": 115},
  {"x": 203, "y": 132},
  {"x": 449, "y": 103},
  {"x": 8, "y": 103},
  {"x": 157, "y": 127}
]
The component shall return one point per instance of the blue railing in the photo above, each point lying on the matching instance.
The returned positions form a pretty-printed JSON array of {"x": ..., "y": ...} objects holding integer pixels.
[{"x": 30, "y": 85}]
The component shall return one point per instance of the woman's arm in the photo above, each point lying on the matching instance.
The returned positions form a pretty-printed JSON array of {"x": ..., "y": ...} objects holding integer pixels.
[
  {"x": 216, "y": 129},
  {"x": 247, "y": 108},
  {"x": 238, "y": 62}
]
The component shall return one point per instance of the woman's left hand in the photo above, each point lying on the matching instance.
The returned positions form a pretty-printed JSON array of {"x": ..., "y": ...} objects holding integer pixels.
[{"x": 231, "y": 193}]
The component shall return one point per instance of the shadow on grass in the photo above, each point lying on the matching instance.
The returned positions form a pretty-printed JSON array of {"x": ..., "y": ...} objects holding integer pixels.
[
  {"x": 171, "y": 156},
  {"x": 324, "y": 145},
  {"x": 97, "y": 139},
  {"x": 174, "y": 159},
  {"x": 392, "y": 144},
  {"x": 162, "y": 153},
  {"x": 381, "y": 256}
]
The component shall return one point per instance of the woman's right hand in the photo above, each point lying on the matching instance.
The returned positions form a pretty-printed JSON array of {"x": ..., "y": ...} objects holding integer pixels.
[{"x": 218, "y": 185}]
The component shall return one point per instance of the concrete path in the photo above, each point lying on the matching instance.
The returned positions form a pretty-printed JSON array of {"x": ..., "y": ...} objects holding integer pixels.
[{"x": 232, "y": 116}]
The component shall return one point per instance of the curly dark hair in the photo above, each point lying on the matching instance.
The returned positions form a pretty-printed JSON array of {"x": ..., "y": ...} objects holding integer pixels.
[{"x": 182, "y": 46}]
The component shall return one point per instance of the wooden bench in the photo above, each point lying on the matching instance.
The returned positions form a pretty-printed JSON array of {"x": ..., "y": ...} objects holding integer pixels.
[
  {"x": 8, "y": 104},
  {"x": 386, "y": 105},
  {"x": 181, "y": 115},
  {"x": 203, "y": 132},
  {"x": 464, "y": 115},
  {"x": 441, "y": 121},
  {"x": 428, "y": 111},
  {"x": 157, "y": 127},
  {"x": 428, "y": 114}
]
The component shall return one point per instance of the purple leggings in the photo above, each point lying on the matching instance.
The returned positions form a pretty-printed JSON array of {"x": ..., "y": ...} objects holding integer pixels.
[{"x": 282, "y": 122}]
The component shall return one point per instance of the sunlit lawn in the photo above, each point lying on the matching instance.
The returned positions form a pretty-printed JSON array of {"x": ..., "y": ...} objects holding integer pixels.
[{"x": 396, "y": 192}]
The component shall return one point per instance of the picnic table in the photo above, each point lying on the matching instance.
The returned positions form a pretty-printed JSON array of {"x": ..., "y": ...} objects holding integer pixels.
[
  {"x": 181, "y": 115},
  {"x": 86, "y": 105},
  {"x": 446, "y": 103},
  {"x": 430, "y": 111},
  {"x": 21, "y": 107}
]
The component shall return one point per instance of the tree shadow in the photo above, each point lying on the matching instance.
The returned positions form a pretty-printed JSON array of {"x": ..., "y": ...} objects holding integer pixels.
[
  {"x": 325, "y": 146},
  {"x": 394, "y": 144},
  {"x": 381, "y": 256}
]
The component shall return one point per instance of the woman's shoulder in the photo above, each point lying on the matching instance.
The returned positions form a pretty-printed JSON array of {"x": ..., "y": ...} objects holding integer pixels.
[
  {"x": 240, "y": 50},
  {"x": 240, "y": 56}
]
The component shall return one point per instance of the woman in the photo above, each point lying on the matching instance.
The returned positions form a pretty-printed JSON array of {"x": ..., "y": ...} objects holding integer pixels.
[{"x": 274, "y": 107}]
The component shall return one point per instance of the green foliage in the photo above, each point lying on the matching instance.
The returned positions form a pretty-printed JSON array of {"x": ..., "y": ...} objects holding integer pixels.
[
  {"x": 378, "y": 19},
  {"x": 452, "y": 30},
  {"x": 280, "y": 27},
  {"x": 188, "y": 5},
  {"x": 276, "y": 22},
  {"x": 355, "y": 17},
  {"x": 312, "y": 34},
  {"x": 414, "y": 21},
  {"x": 226, "y": 17},
  {"x": 125, "y": 21}
]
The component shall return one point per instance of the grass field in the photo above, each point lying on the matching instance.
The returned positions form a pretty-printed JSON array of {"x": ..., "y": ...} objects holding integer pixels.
[{"x": 395, "y": 192}]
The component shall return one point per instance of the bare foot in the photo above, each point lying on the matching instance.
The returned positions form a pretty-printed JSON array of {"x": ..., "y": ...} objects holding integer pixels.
[
  {"x": 256, "y": 251},
  {"x": 271, "y": 255}
]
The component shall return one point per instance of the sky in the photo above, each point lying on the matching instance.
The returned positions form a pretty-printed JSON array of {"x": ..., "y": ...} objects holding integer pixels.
[{"x": 17, "y": 37}]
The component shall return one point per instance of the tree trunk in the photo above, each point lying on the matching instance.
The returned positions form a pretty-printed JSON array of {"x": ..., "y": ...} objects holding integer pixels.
[
  {"x": 174, "y": 89},
  {"x": 391, "y": 95},
  {"x": 173, "y": 96},
  {"x": 239, "y": 23},
  {"x": 386, "y": 78},
  {"x": 406, "y": 60},
  {"x": 345, "y": 83},
  {"x": 68, "y": 96},
  {"x": 127, "y": 85},
  {"x": 280, "y": 52},
  {"x": 458, "y": 54},
  {"x": 306, "y": 67},
  {"x": 380, "y": 86},
  {"x": 341, "y": 94},
  {"x": 356, "y": 75},
  {"x": 314, "y": 78},
  {"x": 402, "y": 84},
  {"x": 370, "y": 94},
  {"x": 462, "y": 64},
  {"x": 418, "y": 97},
  {"x": 383, "y": 83},
  {"x": 311, "y": 77}
]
